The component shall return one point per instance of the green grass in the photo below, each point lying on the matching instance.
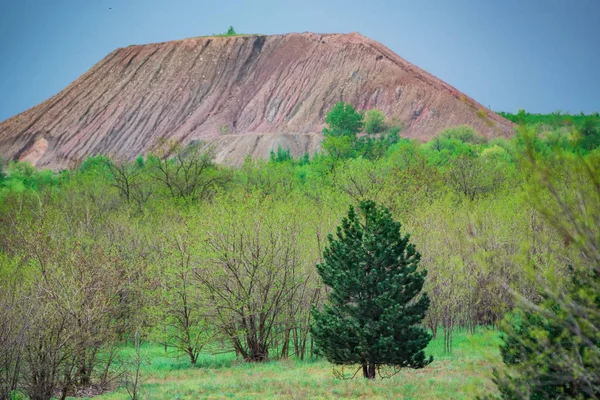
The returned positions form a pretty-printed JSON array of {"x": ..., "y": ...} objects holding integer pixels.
[{"x": 450, "y": 376}]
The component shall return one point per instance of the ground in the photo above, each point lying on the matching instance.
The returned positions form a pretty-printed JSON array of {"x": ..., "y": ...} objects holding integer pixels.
[{"x": 459, "y": 375}]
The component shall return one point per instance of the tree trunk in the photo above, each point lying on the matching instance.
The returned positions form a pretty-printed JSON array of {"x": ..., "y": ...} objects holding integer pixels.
[
  {"x": 296, "y": 343},
  {"x": 303, "y": 348},
  {"x": 286, "y": 344},
  {"x": 257, "y": 352},
  {"x": 369, "y": 371},
  {"x": 192, "y": 355}
]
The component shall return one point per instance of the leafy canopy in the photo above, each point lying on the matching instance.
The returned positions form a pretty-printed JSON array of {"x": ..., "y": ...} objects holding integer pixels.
[{"x": 343, "y": 120}]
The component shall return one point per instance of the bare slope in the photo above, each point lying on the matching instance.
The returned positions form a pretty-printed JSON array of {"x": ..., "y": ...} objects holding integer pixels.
[{"x": 218, "y": 88}]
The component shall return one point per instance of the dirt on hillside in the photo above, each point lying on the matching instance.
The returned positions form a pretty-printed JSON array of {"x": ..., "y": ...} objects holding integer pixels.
[{"x": 247, "y": 94}]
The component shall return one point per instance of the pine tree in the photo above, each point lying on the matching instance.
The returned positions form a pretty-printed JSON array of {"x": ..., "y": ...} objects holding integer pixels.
[{"x": 374, "y": 309}]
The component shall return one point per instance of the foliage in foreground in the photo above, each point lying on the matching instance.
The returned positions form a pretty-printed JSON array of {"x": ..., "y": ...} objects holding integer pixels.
[{"x": 552, "y": 346}]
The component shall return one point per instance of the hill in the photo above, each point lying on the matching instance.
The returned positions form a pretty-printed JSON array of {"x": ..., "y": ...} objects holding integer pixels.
[{"x": 249, "y": 91}]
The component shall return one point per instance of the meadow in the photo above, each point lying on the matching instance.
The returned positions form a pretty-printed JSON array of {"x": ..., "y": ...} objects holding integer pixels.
[{"x": 458, "y": 375}]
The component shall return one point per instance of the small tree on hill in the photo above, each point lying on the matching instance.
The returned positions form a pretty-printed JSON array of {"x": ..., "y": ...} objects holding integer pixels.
[
  {"x": 231, "y": 31},
  {"x": 374, "y": 309}
]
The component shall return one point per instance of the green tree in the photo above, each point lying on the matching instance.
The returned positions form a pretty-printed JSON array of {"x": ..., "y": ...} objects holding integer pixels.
[
  {"x": 251, "y": 273},
  {"x": 551, "y": 347},
  {"x": 305, "y": 159},
  {"x": 337, "y": 148},
  {"x": 187, "y": 331},
  {"x": 590, "y": 134},
  {"x": 231, "y": 31},
  {"x": 188, "y": 173},
  {"x": 473, "y": 176},
  {"x": 2, "y": 173},
  {"x": 281, "y": 155},
  {"x": 374, "y": 121},
  {"x": 374, "y": 309},
  {"x": 343, "y": 120},
  {"x": 521, "y": 117},
  {"x": 551, "y": 350}
]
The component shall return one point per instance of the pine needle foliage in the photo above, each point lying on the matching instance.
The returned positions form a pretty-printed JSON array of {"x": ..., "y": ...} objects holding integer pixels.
[{"x": 375, "y": 307}]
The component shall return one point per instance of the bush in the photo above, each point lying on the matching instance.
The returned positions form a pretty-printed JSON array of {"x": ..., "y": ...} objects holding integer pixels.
[
  {"x": 374, "y": 121},
  {"x": 464, "y": 133},
  {"x": 375, "y": 148},
  {"x": 281, "y": 155},
  {"x": 551, "y": 349},
  {"x": 590, "y": 134}
]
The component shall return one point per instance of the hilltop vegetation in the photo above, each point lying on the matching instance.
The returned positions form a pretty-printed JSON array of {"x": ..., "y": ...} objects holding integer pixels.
[
  {"x": 580, "y": 128},
  {"x": 196, "y": 259},
  {"x": 555, "y": 120}
]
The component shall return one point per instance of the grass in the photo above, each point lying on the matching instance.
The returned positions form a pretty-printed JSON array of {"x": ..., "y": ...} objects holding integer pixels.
[{"x": 451, "y": 376}]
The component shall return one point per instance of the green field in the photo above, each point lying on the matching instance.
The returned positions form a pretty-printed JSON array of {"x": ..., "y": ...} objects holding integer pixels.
[{"x": 458, "y": 375}]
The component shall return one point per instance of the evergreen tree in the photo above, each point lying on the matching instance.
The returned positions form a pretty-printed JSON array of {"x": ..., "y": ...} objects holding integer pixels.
[{"x": 374, "y": 309}]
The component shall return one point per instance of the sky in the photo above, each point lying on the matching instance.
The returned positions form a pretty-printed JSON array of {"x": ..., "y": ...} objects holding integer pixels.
[{"x": 538, "y": 55}]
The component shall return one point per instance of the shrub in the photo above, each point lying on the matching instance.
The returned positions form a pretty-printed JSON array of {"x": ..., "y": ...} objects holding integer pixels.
[
  {"x": 281, "y": 155},
  {"x": 374, "y": 121},
  {"x": 464, "y": 133}
]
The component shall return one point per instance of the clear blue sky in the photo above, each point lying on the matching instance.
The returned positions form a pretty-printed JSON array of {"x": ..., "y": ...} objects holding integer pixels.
[{"x": 540, "y": 55}]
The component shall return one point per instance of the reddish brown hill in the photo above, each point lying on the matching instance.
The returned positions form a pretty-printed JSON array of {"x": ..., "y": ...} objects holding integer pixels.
[{"x": 275, "y": 89}]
